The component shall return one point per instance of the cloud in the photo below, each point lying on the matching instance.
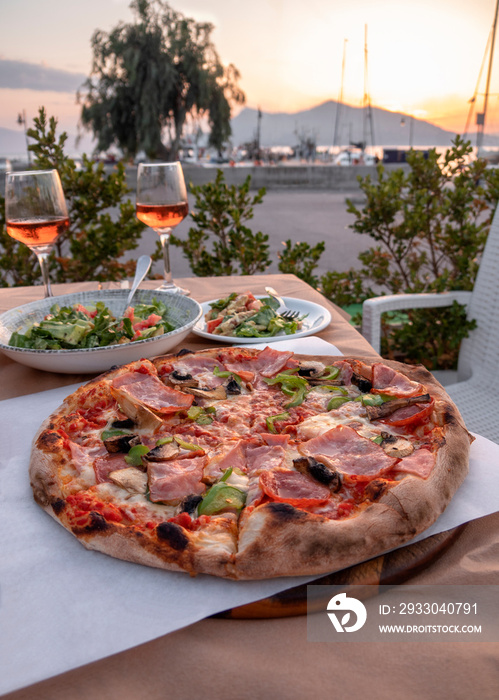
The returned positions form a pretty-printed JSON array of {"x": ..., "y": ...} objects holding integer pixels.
[{"x": 30, "y": 76}]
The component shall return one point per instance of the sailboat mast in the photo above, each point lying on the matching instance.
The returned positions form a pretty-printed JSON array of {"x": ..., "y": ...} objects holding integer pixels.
[
  {"x": 480, "y": 118},
  {"x": 339, "y": 104},
  {"x": 367, "y": 112}
]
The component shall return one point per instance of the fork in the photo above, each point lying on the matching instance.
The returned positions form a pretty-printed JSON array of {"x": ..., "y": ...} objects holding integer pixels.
[
  {"x": 290, "y": 315},
  {"x": 282, "y": 310}
]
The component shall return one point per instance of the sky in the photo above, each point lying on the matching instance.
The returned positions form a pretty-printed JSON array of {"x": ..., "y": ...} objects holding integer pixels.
[{"x": 424, "y": 56}]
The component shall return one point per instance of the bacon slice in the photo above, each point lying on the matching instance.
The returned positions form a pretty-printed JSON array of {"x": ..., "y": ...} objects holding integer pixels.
[
  {"x": 149, "y": 391},
  {"x": 170, "y": 482},
  {"x": 386, "y": 380},
  {"x": 349, "y": 452},
  {"x": 420, "y": 463},
  {"x": 293, "y": 488}
]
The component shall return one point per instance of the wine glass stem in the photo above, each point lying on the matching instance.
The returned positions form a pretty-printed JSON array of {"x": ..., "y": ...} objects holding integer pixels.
[
  {"x": 164, "y": 237},
  {"x": 43, "y": 259}
]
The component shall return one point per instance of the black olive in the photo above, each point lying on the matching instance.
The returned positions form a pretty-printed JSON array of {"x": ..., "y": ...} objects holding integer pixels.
[
  {"x": 190, "y": 503},
  {"x": 180, "y": 377},
  {"x": 233, "y": 387},
  {"x": 126, "y": 423},
  {"x": 184, "y": 351},
  {"x": 364, "y": 385}
]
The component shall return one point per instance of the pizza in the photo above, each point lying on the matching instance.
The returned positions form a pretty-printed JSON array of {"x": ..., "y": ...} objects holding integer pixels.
[{"x": 249, "y": 464}]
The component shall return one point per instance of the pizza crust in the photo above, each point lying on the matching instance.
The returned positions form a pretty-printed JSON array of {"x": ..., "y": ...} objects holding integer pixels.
[{"x": 275, "y": 539}]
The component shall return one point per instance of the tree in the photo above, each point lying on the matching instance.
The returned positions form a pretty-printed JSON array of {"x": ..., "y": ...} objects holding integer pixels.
[{"x": 151, "y": 77}]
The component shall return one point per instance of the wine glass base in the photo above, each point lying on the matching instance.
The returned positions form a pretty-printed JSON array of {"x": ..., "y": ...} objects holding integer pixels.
[{"x": 173, "y": 289}]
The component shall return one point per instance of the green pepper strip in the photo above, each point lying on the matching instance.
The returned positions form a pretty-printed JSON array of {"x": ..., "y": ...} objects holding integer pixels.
[
  {"x": 375, "y": 399},
  {"x": 332, "y": 373},
  {"x": 164, "y": 441},
  {"x": 336, "y": 402},
  {"x": 219, "y": 373},
  {"x": 186, "y": 445},
  {"x": 222, "y": 497},
  {"x": 291, "y": 385},
  {"x": 106, "y": 434},
  {"x": 134, "y": 457},
  {"x": 270, "y": 420}
]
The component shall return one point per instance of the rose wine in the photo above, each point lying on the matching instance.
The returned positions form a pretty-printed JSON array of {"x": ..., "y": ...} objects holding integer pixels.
[
  {"x": 162, "y": 215},
  {"x": 37, "y": 232}
]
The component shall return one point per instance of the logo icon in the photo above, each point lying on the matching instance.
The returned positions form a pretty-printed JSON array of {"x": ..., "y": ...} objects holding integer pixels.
[{"x": 340, "y": 603}]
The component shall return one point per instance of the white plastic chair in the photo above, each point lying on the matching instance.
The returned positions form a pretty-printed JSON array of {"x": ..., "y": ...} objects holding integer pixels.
[{"x": 476, "y": 392}]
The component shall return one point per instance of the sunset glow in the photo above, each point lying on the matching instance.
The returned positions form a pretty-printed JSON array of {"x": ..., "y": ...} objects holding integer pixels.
[{"x": 424, "y": 56}]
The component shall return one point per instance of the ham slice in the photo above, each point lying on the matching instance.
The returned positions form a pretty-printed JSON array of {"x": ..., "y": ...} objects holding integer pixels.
[
  {"x": 267, "y": 363},
  {"x": 386, "y": 380},
  {"x": 293, "y": 488},
  {"x": 250, "y": 456},
  {"x": 263, "y": 457},
  {"x": 420, "y": 463},
  {"x": 201, "y": 368},
  {"x": 170, "y": 482},
  {"x": 149, "y": 391},
  {"x": 349, "y": 452},
  {"x": 346, "y": 372},
  {"x": 103, "y": 466}
]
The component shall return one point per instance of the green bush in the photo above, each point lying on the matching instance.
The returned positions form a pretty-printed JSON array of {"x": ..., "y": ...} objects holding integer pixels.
[{"x": 430, "y": 225}]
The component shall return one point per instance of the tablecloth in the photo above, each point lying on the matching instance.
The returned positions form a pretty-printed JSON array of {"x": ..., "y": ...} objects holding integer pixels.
[{"x": 218, "y": 658}]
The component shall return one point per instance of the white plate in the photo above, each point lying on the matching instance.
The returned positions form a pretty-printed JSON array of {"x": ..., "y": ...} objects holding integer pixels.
[
  {"x": 184, "y": 313},
  {"x": 317, "y": 319}
]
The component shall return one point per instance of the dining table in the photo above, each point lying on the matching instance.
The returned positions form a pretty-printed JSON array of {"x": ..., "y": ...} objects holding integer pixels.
[{"x": 257, "y": 654}]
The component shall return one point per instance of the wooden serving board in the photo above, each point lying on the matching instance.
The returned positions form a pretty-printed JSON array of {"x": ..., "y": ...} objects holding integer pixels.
[{"x": 386, "y": 570}]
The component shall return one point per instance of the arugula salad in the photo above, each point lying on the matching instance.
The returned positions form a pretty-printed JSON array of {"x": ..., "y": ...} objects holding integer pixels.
[
  {"x": 77, "y": 326},
  {"x": 245, "y": 316}
]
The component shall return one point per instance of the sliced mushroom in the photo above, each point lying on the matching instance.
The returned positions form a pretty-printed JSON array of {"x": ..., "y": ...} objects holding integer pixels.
[
  {"x": 395, "y": 446},
  {"x": 163, "y": 452},
  {"x": 319, "y": 471},
  {"x": 217, "y": 394},
  {"x": 389, "y": 407},
  {"x": 311, "y": 369},
  {"x": 121, "y": 443},
  {"x": 131, "y": 479}
]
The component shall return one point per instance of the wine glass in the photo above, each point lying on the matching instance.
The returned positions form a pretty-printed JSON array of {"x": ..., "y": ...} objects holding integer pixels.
[
  {"x": 162, "y": 205},
  {"x": 36, "y": 213}
]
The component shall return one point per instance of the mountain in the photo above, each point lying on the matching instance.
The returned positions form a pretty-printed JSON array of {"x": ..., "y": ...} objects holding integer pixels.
[{"x": 281, "y": 128}]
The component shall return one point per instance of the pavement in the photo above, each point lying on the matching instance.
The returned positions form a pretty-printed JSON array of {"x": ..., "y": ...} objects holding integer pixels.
[{"x": 299, "y": 215}]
